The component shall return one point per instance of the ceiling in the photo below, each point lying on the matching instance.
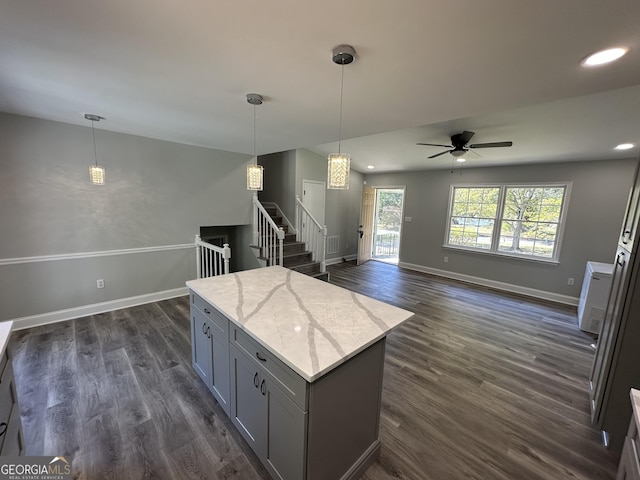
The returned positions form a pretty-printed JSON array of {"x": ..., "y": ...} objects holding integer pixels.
[{"x": 180, "y": 71}]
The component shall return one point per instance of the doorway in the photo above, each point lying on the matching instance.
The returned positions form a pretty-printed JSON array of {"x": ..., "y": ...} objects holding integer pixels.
[
  {"x": 313, "y": 198},
  {"x": 381, "y": 224}
]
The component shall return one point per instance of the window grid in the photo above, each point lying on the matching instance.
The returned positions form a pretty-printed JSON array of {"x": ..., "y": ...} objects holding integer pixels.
[{"x": 517, "y": 220}]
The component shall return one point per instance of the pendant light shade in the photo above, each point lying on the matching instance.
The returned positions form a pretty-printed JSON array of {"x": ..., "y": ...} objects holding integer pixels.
[
  {"x": 338, "y": 171},
  {"x": 339, "y": 163},
  {"x": 96, "y": 172},
  {"x": 255, "y": 172}
]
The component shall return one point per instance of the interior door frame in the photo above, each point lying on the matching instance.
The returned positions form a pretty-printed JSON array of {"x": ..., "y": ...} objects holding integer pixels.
[
  {"x": 375, "y": 207},
  {"x": 323, "y": 186}
]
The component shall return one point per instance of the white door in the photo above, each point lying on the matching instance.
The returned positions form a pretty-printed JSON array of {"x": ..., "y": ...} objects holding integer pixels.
[
  {"x": 365, "y": 230},
  {"x": 313, "y": 198}
]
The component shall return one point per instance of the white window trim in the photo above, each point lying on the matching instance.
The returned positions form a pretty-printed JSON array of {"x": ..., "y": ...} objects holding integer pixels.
[{"x": 495, "y": 238}]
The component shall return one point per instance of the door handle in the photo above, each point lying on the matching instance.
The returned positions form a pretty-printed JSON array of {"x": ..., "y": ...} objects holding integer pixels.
[
  {"x": 255, "y": 380},
  {"x": 361, "y": 232},
  {"x": 263, "y": 388},
  {"x": 620, "y": 256},
  {"x": 204, "y": 328}
]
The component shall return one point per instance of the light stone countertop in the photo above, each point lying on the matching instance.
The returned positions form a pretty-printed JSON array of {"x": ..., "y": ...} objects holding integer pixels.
[
  {"x": 5, "y": 331},
  {"x": 635, "y": 403},
  {"x": 312, "y": 326}
]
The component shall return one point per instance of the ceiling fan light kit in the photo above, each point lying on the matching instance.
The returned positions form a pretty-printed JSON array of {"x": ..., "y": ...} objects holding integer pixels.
[{"x": 460, "y": 145}]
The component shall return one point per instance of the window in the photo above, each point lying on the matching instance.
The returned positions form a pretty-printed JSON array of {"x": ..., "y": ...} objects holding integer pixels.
[{"x": 518, "y": 220}]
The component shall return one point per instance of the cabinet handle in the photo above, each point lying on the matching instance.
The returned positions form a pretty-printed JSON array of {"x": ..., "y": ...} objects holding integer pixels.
[
  {"x": 255, "y": 380},
  {"x": 620, "y": 256},
  {"x": 260, "y": 357},
  {"x": 3, "y": 427},
  {"x": 204, "y": 328},
  {"x": 207, "y": 311},
  {"x": 263, "y": 388}
]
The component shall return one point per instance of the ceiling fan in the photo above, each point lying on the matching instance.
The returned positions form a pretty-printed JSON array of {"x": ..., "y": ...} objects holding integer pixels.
[{"x": 460, "y": 144}]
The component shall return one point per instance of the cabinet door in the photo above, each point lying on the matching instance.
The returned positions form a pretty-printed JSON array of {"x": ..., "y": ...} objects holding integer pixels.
[
  {"x": 631, "y": 219},
  {"x": 220, "y": 368},
  {"x": 201, "y": 346},
  {"x": 248, "y": 405},
  {"x": 286, "y": 435},
  {"x": 609, "y": 336}
]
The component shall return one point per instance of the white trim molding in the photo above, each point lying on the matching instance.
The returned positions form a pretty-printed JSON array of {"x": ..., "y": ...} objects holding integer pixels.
[
  {"x": 81, "y": 255},
  {"x": 96, "y": 308},
  {"x": 507, "y": 287}
]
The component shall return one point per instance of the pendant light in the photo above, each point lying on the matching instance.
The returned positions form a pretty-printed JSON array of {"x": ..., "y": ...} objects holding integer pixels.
[
  {"x": 255, "y": 172},
  {"x": 96, "y": 172},
  {"x": 339, "y": 163}
]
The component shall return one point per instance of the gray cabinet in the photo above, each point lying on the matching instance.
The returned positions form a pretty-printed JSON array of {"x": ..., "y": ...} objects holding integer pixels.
[
  {"x": 11, "y": 439},
  {"x": 321, "y": 430},
  {"x": 210, "y": 348},
  {"x": 629, "y": 468},
  {"x": 268, "y": 419}
]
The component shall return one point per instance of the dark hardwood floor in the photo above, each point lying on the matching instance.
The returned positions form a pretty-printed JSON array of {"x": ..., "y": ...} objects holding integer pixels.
[{"x": 478, "y": 385}]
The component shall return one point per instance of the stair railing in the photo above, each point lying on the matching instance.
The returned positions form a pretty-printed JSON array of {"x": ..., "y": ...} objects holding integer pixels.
[
  {"x": 210, "y": 259},
  {"x": 267, "y": 235},
  {"x": 314, "y": 235}
]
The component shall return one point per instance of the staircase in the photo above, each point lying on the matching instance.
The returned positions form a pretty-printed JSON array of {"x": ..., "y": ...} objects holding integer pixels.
[{"x": 294, "y": 254}]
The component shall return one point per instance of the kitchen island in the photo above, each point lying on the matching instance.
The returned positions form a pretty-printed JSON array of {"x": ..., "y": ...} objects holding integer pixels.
[{"x": 297, "y": 364}]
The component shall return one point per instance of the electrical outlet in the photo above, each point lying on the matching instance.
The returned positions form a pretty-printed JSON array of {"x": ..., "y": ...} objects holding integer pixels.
[
  {"x": 446, "y": 259},
  {"x": 100, "y": 283},
  {"x": 408, "y": 219},
  {"x": 570, "y": 281}
]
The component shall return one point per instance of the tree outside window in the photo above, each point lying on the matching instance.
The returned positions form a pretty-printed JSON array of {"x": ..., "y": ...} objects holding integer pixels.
[{"x": 521, "y": 220}]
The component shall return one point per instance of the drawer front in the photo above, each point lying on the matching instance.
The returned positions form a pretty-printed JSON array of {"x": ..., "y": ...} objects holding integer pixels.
[
  {"x": 629, "y": 461},
  {"x": 292, "y": 384},
  {"x": 7, "y": 402},
  {"x": 13, "y": 442},
  {"x": 218, "y": 319},
  {"x": 4, "y": 360}
]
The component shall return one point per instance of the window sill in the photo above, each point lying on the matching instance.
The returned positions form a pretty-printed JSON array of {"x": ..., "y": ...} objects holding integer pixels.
[{"x": 548, "y": 261}]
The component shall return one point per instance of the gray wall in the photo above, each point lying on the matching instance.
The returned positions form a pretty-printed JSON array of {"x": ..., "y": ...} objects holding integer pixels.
[
  {"x": 279, "y": 181},
  {"x": 156, "y": 194},
  {"x": 596, "y": 207}
]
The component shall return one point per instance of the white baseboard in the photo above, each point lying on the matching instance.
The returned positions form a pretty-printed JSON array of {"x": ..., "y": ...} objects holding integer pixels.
[
  {"x": 507, "y": 287},
  {"x": 346, "y": 258},
  {"x": 94, "y": 309}
]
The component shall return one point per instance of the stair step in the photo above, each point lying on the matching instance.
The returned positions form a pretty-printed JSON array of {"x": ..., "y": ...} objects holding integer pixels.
[
  {"x": 271, "y": 211},
  {"x": 308, "y": 268},
  {"x": 293, "y": 247},
  {"x": 295, "y": 259}
]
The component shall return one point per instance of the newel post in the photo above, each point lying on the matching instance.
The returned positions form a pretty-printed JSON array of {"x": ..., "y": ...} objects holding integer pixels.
[
  {"x": 298, "y": 230},
  {"x": 256, "y": 233},
  {"x": 281, "y": 246},
  {"x": 198, "y": 257},
  {"x": 323, "y": 253},
  {"x": 226, "y": 255}
]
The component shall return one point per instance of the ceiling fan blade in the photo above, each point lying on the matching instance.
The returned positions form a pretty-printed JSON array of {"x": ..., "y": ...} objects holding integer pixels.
[
  {"x": 435, "y": 145},
  {"x": 491, "y": 145},
  {"x": 438, "y": 154},
  {"x": 466, "y": 136}
]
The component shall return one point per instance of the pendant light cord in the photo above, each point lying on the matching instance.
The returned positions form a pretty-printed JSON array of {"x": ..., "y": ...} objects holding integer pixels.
[
  {"x": 254, "y": 134},
  {"x": 340, "y": 119},
  {"x": 95, "y": 152}
]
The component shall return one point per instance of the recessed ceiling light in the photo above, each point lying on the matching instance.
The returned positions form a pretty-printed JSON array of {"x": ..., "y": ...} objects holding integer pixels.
[
  {"x": 625, "y": 146},
  {"x": 461, "y": 160},
  {"x": 604, "y": 56},
  {"x": 370, "y": 167}
]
